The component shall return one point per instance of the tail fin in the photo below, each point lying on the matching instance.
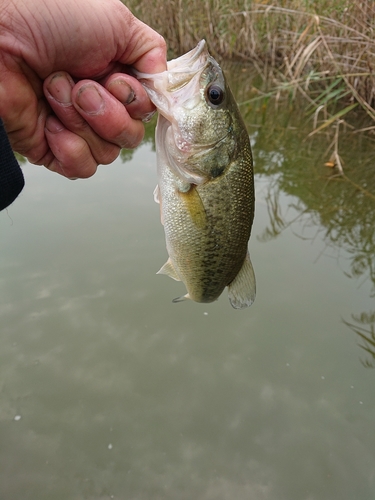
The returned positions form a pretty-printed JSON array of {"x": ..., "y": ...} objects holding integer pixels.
[{"x": 242, "y": 290}]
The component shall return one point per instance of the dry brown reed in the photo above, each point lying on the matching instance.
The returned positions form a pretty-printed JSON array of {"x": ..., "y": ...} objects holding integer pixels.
[{"x": 324, "y": 50}]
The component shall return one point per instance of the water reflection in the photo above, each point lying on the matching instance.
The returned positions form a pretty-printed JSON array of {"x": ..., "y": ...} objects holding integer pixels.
[
  {"x": 342, "y": 208},
  {"x": 339, "y": 209},
  {"x": 366, "y": 335},
  {"x": 122, "y": 394}
]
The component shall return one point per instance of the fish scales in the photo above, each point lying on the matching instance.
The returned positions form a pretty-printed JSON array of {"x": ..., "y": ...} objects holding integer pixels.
[{"x": 205, "y": 179}]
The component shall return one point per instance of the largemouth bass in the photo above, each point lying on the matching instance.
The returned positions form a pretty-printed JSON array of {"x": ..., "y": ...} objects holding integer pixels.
[{"x": 205, "y": 179}]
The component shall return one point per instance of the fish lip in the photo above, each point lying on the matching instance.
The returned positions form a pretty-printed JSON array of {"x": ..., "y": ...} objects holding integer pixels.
[
  {"x": 189, "y": 59},
  {"x": 188, "y": 64},
  {"x": 184, "y": 69}
]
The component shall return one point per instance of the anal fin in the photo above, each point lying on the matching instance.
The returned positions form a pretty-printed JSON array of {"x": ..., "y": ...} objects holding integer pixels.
[
  {"x": 169, "y": 270},
  {"x": 181, "y": 299}
]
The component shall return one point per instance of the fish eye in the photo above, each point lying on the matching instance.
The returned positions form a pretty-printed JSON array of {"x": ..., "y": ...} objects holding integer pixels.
[{"x": 215, "y": 94}]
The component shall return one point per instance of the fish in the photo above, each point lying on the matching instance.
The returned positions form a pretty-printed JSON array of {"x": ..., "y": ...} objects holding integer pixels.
[{"x": 205, "y": 179}]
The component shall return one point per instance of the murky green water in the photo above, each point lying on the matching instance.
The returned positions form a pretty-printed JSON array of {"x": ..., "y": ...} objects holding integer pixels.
[{"x": 108, "y": 390}]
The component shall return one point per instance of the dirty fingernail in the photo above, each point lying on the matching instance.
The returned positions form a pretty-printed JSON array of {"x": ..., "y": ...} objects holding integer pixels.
[
  {"x": 60, "y": 88},
  {"x": 122, "y": 91},
  {"x": 90, "y": 100},
  {"x": 147, "y": 117}
]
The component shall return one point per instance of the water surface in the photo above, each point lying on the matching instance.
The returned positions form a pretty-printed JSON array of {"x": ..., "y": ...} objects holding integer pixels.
[{"x": 109, "y": 390}]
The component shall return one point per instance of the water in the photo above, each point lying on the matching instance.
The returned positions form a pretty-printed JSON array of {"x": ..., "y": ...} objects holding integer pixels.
[{"x": 108, "y": 390}]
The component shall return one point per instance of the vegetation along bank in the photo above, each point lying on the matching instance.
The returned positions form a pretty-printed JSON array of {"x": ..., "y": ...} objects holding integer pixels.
[{"x": 321, "y": 50}]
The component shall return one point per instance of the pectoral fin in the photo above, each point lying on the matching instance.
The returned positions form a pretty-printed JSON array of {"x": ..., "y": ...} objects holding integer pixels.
[
  {"x": 194, "y": 205},
  {"x": 169, "y": 270},
  {"x": 157, "y": 199},
  {"x": 157, "y": 196},
  {"x": 242, "y": 290}
]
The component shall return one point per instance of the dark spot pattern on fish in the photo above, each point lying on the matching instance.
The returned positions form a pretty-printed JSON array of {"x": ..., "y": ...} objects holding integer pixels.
[{"x": 217, "y": 171}]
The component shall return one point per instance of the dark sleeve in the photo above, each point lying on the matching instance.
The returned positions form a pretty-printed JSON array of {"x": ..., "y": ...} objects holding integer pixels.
[{"x": 11, "y": 177}]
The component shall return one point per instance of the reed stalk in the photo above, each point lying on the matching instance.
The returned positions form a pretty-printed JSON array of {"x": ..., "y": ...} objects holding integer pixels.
[{"x": 323, "y": 50}]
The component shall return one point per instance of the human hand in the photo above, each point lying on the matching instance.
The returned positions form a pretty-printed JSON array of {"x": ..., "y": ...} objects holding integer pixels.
[{"x": 88, "y": 108}]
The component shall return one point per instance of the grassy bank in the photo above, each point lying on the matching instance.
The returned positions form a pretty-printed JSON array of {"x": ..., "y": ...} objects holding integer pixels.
[{"x": 323, "y": 50}]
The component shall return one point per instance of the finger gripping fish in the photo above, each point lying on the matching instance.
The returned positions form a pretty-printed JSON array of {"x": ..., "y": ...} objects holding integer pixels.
[{"x": 205, "y": 179}]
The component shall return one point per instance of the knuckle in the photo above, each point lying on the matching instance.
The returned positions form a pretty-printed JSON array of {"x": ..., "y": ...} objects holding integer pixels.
[
  {"x": 75, "y": 170},
  {"x": 131, "y": 141},
  {"x": 162, "y": 44},
  {"x": 107, "y": 154},
  {"x": 73, "y": 160}
]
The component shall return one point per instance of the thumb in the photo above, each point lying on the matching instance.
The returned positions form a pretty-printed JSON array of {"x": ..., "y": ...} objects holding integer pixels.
[{"x": 146, "y": 49}]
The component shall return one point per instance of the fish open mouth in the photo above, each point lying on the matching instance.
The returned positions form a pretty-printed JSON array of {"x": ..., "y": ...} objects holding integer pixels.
[
  {"x": 164, "y": 88},
  {"x": 181, "y": 69},
  {"x": 176, "y": 92}
]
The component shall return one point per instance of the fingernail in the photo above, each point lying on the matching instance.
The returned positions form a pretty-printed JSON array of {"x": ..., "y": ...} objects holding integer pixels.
[
  {"x": 53, "y": 125},
  {"x": 147, "y": 117},
  {"x": 89, "y": 99},
  {"x": 122, "y": 91},
  {"x": 60, "y": 88}
]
